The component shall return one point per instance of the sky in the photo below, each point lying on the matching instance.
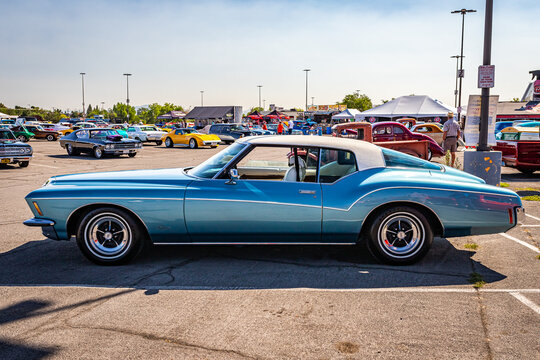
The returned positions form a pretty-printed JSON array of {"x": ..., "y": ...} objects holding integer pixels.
[{"x": 175, "y": 49}]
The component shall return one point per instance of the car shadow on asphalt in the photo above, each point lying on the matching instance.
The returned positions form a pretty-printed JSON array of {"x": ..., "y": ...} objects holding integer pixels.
[
  {"x": 48, "y": 262},
  {"x": 86, "y": 157}
]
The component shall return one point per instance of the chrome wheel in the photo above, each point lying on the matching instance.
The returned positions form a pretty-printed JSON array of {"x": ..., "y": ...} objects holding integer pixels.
[
  {"x": 22, "y": 138},
  {"x": 107, "y": 236},
  {"x": 192, "y": 144},
  {"x": 401, "y": 235},
  {"x": 168, "y": 142},
  {"x": 69, "y": 149},
  {"x": 98, "y": 153}
]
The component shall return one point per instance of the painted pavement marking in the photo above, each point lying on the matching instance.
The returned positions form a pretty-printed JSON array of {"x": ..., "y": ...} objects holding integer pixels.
[
  {"x": 532, "y": 247},
  {"x": 526, "y": 301}
]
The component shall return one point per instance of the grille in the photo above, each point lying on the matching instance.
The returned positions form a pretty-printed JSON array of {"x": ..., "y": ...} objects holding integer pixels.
[
  {"x": 11, "y": 150},
  {"x": 124, "y": 146}
]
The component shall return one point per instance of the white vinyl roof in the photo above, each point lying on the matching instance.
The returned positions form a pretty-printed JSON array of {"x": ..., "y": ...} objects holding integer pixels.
[
  {"x": 415, "y": 105},
  {"x": 367, "y": 154}
]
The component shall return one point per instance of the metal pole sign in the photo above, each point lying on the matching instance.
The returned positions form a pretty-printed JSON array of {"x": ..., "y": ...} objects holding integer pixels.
[
  {"x": 486, "y": 76},
  {"x": 472, "y": 125}
]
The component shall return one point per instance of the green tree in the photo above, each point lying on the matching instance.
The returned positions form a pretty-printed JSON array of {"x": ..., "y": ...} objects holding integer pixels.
[
  {"x": 256, "y": 108},
  {"x": 357, "y": 101},
  {"x": 122, "y": 111},
  {"x": 515, "y": 100}
]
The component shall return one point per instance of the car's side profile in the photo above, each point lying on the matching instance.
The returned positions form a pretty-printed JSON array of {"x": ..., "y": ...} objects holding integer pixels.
[
  {"x": 394, "y": 131},
  {"x": 145, "y": 133},
  {"x": 190, "y": 138},
  {"x": 229, "y": 133},
  {"x": 275, "y": 190},
  {"x": 99, "y": 142}
]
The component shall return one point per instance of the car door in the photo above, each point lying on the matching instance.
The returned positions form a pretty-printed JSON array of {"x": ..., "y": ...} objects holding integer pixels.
[
  {"x": 400, "y": 133},
  {"x": 253, "y": 210},
  {"x": 382, "y": 133},
  {"x": 179, "y": 137}
]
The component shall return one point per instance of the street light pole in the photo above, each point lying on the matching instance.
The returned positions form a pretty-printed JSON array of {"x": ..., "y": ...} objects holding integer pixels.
[
  {"x": 102, "y": 103},
  {"x": 202, "y": 97},
  {"x": 484, "y": 105},
  {"x": 462, "y": 12},
  {"x": 457, "y": 77},
  {"x": 127, "y": 98},
  {"x": 264, "y": 104},
  {"x": 312, "y": 100},
  {"x": 306, "y": 70},
  {"x": 83, "y": 108},
  {"x": 259, "y": 86}
]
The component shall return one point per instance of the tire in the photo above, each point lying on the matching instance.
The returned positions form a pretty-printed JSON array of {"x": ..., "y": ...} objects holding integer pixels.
[
  {"x": 159, "y": 142},
  {"x": 193, "y": 144},
  {"x": 97, "y": 152},
  {"x": 132, "y": 154},
  {"x": 213, "y": 146},
  {"x": 50, "y": 137},
  {"x": 400, "y": 236},
  {"x": 71, "y": 151},
  {"x": 109, "y": 236},
  {"x": 526, "y": 171},
  {"x": 169, "y": 143},
  {"x": 429, "y": 154},
  {"x": 24, "y": 163},
  {"x": 22, "y": 138}
]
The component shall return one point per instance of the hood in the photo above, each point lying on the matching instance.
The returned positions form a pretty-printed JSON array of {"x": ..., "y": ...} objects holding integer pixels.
[{"x": 13, "y": 143}]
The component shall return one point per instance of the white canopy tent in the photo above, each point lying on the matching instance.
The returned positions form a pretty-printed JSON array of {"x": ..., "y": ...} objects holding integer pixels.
[
  {"x": 347, "y": 114},
  {"x": 417, "y": 106},
  {"x": 6, "y": 116}
]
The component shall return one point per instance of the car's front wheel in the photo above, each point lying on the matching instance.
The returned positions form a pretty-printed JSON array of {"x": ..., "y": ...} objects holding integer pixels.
[
  {"x": 98, "y": 153},
  {"x": 24, "y": 163},
  {"x": 400, "y": 235},
  {"x": 50, "y": 137},
  {"x": 159, "y": 142},
  {"x": 132, "y": 154},
  {"x": 109, "y": 236},
  {"x": 169, "y": 143}
]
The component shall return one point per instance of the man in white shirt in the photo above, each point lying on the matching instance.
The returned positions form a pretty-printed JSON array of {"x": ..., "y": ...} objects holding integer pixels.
[
  {"x": 451, "y": 133},
  {"x": 291, "y": 126}
]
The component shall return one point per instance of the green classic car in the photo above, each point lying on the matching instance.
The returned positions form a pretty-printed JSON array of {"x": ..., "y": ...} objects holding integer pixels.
[{"x": 20, "y": 132}]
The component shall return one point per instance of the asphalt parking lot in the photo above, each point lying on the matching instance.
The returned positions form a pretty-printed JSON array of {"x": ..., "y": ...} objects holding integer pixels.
[{"x": 251, "y": 302}]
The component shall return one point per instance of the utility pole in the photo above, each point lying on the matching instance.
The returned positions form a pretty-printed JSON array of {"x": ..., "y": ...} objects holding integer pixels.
[
  {"x": 127, "y": 98},
  {"x": 83, "y": 108},
  {"x": 306, "y": 70},
  {"x": 484, "y": 110},
  {"x": 202, "y": 97},
  {"x": 312, "y": 100},
  {"x": 102, "y": 103},
  {"x": 264, "y": 104},
  {"x": 457, "y": 77},
  {"x": 259, "y": 86},
  {"x": 463, "y": 12}
]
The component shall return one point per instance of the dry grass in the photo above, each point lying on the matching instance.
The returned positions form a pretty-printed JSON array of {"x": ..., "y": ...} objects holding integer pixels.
[
  {"x": 477, "y": 280},
  {"x": 471, "y": 246}
]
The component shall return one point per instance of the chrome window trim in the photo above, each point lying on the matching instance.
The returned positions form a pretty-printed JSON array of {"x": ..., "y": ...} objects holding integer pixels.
[{"x": 412, "y": 187}]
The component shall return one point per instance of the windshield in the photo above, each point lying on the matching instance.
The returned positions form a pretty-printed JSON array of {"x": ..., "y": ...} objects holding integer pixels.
[
  {"x": 238, "y": 128},
  {"x": 103, "y": 133},
  {"x": 148, "y": 128},
  {"x": 190, "y": 131},
  {"x": 212, "y": 166},
  {"x": 6, "y": 135}
]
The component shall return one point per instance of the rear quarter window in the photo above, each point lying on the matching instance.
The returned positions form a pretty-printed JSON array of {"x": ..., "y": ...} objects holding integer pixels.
[{"x": 398, "y": 159}]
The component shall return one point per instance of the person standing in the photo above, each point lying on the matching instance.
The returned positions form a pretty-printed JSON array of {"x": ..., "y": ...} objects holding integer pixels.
[
  {"x": 451, "y": 133},
  {"x": 264, "y": 127},
  {"x": 291, "y": 126},
  {"x": 280, "y": 128}
]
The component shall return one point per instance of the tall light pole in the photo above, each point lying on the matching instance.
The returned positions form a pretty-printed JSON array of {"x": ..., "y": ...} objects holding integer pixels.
[
  {"x": 484, "y": 105},
  {"x": 259, "y": 86},
  {"x": 312, "y": 100},
  {"x": 457, "y": 77},
  {"x": 264, "y": 104},
  {"x": 127, "y": 97},
  {"x": 102, "y": 103},
  {"x": 463, "y": 12},
  {"x": 202, "y": 97},
  {"x": 83, "y": 108},
  {"x": 306, "y": 70}
]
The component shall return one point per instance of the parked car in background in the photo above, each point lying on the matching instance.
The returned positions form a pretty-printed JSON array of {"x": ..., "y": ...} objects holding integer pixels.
[
  {"x": 99, "y": 142},
  {"x": 229, "y": 133},
  {"x": 77, "y": 126},
  {"x": 394, "y": 131},
  {"x": 431, "y": 130},
  {"x": 21, "y": 133},
  {"x": 190, "y": 138},
  {"x": 40, "y": 133},
  {"x": 341, "y": 192},
  {"x": 54, "y": 127},
  {"x": 520, "y": 147},
  {"x": 13, "y": 151},
  {"x": 146, "y": 133},
  {"x": 121, "y": 129}
]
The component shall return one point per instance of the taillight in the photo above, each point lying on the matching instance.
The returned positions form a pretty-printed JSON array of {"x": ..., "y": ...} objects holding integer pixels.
[{"x": 511, "y": 216}]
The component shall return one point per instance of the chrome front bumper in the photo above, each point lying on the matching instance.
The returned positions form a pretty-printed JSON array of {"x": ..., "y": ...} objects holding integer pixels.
[
  {"x": 47, "y": 227},
  {"x": 520, "y": 215}
]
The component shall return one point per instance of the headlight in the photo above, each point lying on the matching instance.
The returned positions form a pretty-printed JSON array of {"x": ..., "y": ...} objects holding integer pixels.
[
  {"x": 109, "y": 146},
  {"x": 28, "y": 150}
]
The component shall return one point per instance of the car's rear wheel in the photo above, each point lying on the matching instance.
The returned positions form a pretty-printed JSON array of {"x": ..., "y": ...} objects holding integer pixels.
[
  {"x": 109, "y": 236},
  {"x": 98, "y": 153},
  {"x": 71, "y": 151},
  {"x": 429, "y": 154},
  {"x": 132, "y": 154},
  {"x": 400, "y": 235},
  {"x": 159, "y": 142},
  {"x": 169, "y": 143},
  {"x": 24, "y": 163},
  {"x": 526, "y": 171},
  {"x": 50, "y": 137},
  {"x": 193, "y": 144}
]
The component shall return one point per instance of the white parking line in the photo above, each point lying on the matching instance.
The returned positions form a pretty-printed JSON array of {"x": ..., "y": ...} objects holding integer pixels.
[
  {"x": 533, "y": 217},
  {"x": 526, "y": 301},
  {"x": 47, "y": 166},
  {"x": 532, "y": 247},
  {"x": 530, "y": 225}
]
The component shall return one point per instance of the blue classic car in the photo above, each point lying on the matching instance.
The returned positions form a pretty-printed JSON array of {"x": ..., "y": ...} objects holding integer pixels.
[{"x": 275, "y": 190}]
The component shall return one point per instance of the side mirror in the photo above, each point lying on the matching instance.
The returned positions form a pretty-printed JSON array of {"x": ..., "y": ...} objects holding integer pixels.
[{"x": 233, "y": 173}]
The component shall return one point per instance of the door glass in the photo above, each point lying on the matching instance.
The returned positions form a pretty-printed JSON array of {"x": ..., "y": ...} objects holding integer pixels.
[{"x": 398, "y": 130}]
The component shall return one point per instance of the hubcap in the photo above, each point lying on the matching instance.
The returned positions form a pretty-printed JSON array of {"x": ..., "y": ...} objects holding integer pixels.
[
  {"x": 401, "y": 235},
  {"x": 107, "y": 236}
]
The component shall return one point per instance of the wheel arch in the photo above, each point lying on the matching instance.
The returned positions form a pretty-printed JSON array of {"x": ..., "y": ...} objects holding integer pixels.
[
  {"x": 432, "y": 217},
  {"x": 76, "y": 215}
]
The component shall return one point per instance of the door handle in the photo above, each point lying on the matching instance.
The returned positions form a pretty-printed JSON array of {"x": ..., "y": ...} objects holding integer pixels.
[{"x": 306, "y": 191}]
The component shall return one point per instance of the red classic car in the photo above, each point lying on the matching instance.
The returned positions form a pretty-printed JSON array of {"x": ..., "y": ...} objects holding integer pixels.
[{"x": 394, "y": 131}]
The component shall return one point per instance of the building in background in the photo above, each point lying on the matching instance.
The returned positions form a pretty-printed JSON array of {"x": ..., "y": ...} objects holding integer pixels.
[{"x": 206, "y": 115}]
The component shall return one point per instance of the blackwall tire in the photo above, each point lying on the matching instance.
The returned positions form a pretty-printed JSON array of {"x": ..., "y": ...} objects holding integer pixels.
[
  {"x": 109, "y": 236},
  {"x": 193, "y": 144},
  {"x": 97, "y": 152},
  {"x": 50, "y": 137},
  {"x": 400, "y": 235},
  {"x": 169, "y": 143}
]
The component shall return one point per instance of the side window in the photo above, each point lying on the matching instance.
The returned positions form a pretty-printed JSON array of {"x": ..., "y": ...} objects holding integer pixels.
[
  {"x": 214, "y": 130},
  {"x": 82, "y": 134},
  {"x": 398, "y": 130},
  {"x": 130, "y": 129},
  {"x": 178, "y": 132},
  {"x": 336, "y": 164},
  {"x": 379, "y": 130}
]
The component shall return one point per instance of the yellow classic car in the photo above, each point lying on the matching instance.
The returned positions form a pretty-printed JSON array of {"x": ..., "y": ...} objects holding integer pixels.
[
  {"x": 191, "y": 138},
  {"x": 431, "y": 130}
]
